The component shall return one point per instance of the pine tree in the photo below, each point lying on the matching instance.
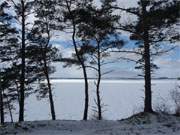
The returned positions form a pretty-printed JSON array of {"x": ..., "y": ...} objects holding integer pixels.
[
  {"x": 8, "y": 51},
  {"x": 154, "y": 27},
  {"x": 72, "y": 10},
  {"x": 42, "y": 52},
  {"x": 26, "y": 67},
  {"x": 95, "y": 31},
  {"x": 99, "y": 36}
]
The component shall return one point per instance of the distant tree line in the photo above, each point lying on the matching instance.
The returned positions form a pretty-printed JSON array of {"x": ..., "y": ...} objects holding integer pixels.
[{"x": 27, "y": 53}]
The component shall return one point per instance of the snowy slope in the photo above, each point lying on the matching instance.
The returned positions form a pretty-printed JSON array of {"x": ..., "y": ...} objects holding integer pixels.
[{"x": 136, "y": 125}]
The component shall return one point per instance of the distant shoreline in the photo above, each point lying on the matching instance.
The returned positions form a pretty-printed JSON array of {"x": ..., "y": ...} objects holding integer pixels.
[{"x": 113, "y": 81}]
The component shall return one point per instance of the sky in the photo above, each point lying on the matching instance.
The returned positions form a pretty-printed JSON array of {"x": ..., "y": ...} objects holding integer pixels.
[{"x": 169, "y": 64}]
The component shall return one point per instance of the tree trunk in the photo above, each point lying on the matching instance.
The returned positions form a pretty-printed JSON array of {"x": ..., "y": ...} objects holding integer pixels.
[
  {"x": 10, "y": 110},
  {"x": 1, "y": 105},
  {"x": 98, "y": 85},
  {"x": 147, "y": 62},
  {"x": 9, "y": 107},
  {"x": 22, "y": 78},
  {"x": 85, "y": 116},
  {"x": 49, "y": 91},
  {"x": 86, "y": 105},
  {"x": 147, "y": 77}
]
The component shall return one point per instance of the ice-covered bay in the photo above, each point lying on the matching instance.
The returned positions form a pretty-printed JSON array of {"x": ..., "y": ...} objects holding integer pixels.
[{"x": 122, "y": 98}]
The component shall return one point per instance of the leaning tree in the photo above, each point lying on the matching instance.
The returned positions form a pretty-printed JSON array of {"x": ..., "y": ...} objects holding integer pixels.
[
  {"x": 73, "y": 11},
  {"x": 42, "y": 52}
]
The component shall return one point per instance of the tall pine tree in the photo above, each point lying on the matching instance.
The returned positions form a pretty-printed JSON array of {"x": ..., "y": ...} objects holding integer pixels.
[
  {"x": 8, "y": 52},
  {"x": 42, "y": 52},
  {"x": 23, "y": 11},
  {"x": 154, "y": 28},
  {"x": 73, "y": 10}
]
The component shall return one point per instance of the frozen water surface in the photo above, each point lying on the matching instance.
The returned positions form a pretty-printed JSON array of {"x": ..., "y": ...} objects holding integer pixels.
[{"x": 122, "y": 98}]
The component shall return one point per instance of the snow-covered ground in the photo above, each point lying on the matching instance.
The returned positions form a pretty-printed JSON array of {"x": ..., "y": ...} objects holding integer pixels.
[
  {"x": 137, "y": 125},
  {"x": 122, "y": 98}
]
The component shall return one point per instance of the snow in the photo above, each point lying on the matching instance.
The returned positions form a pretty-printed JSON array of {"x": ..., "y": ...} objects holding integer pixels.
[
  {"x": 146, "y": 124},
  {"x": 124, "y": 98}
]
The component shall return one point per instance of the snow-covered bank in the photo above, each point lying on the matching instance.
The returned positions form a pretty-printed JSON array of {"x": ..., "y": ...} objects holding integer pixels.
[{"x": 136, "y": 125}]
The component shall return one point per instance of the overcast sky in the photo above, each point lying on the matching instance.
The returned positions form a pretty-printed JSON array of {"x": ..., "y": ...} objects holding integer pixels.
[{"x": 169, "y": 63}]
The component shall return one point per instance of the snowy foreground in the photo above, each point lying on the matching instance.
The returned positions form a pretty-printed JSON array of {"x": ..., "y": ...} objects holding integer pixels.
[{"x": 136, "y": 125}]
